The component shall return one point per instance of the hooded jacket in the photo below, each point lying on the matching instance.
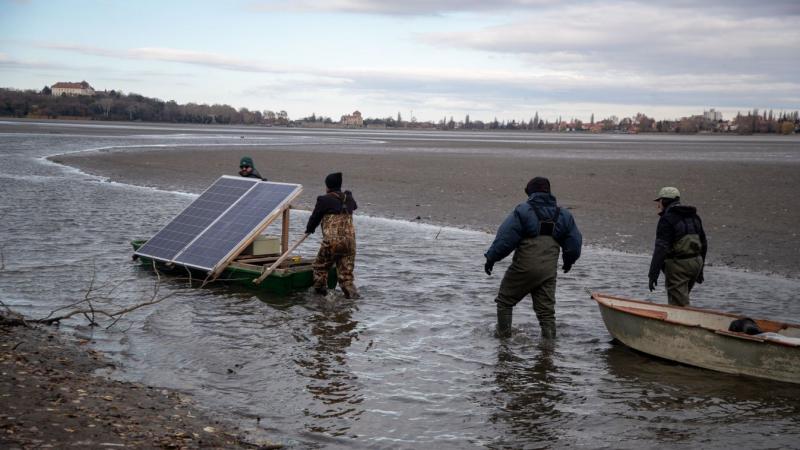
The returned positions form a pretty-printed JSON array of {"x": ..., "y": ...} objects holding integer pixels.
[
  {"x": 676, "y": 222},
  {"x": 334, "y": 202},
  {"x": 523, "y": 222}
]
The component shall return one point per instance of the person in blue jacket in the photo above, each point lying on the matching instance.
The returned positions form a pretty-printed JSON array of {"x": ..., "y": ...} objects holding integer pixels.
[{"x": 535, "y": 231}]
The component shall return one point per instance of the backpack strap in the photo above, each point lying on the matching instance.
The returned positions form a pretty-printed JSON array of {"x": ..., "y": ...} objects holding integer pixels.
[{"x": 343, "y": 199}]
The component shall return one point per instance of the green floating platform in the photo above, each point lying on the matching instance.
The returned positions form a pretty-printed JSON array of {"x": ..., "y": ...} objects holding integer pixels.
[{"x": 295, "y": 274}]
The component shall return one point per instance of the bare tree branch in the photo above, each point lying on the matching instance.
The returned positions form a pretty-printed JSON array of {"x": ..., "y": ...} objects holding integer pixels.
[
  {"x": 53, "y": 320},
  {"x": 87, "y": 296},
  {"x": 91, "y": 312},
  {"x": 11, "y": 318}
]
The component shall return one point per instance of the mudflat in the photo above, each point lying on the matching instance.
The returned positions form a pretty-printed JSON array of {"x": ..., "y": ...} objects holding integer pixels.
[
  {"x": 746, "y": 205},
  {"x": 51, "y": 399}
]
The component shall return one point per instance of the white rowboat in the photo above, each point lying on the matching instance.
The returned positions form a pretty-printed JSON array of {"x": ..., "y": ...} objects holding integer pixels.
[{"x": 700, "y": 337}]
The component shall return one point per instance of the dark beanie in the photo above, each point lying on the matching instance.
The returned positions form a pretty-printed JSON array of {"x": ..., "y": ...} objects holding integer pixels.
[
  {"x": 334, "y": 181},
  {"x": 538, "y": 184}
]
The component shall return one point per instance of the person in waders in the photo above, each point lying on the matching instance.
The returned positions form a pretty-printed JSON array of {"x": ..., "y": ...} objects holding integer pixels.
[
  {"x": 334, "y": 211},
  {"x": 536, "y": 231},
  {"x": 680, "y": 249},
  {"x": 248, "y": 169}
]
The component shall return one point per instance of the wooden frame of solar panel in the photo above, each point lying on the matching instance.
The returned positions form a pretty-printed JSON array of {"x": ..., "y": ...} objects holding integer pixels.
[{"x": 175, "y": 247}]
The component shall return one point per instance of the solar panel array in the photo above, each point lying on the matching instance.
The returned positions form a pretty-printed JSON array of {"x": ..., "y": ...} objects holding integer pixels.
[
  {"x": 212, "y": 227},
  {"x": 225, "y": 235}
]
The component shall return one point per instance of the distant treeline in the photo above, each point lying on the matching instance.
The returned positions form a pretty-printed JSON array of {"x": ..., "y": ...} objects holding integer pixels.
[{"x": 113, "y": 105}]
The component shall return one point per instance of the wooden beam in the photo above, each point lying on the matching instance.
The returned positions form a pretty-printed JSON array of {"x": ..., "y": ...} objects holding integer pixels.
[
  {"x": 285, "y": 230},
  {"x": 252, "y": 236},
  {"x": 280, "y": 260}
]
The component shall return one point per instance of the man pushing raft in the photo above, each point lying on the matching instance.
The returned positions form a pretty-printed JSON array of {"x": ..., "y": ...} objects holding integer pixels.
[{"x": 334, "y": 211}]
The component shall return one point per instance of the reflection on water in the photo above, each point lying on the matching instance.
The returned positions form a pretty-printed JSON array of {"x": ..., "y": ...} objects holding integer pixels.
[
  {"x": 700, "y": 397},
  {"x": 413, "y": 364},
  {"x": 529, "y": 391},
  {"x": 324, "y": 364}
]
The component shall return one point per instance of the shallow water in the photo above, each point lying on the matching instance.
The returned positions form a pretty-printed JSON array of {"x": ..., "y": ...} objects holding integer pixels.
[{"x": 413, "y": 364}]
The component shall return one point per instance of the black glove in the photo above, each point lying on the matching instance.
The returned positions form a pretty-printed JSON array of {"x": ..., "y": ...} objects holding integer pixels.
[
  {"x": 700, "y": 278},
  {"x": 567, "y": 267},
  {"x": 652, "y": 284},
  {"x": 488, "y": 267}
]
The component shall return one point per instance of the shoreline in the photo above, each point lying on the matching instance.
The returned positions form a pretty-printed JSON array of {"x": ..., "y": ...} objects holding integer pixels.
[
  {"x": 56, "y": 393},
  {"x": 610, "y": 199},
  {"x": 432, "y": 129}
]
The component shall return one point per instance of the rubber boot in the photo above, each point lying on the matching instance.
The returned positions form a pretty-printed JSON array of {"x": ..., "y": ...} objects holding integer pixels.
[
  {"x": 548, "y": 330},
  {"x": 504, "y": 316},
  {"x": 351, "y": 292}
]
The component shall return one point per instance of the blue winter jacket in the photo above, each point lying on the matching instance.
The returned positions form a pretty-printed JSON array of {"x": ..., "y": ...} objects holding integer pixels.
[{"x": 523, "y": 222}]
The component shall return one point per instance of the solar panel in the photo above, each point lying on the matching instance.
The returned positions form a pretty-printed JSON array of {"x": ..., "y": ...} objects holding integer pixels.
[
  {"x": 236, "y": 225},
  {"x": 218, "y": 223},
  {"x": 201, "y": 213}
]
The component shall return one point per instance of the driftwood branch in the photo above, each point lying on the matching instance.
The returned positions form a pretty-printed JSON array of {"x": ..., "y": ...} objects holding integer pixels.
[
  {"x": 11, "y": 318},
  {"x": 90, "y": 315},
  {"x": 91, "y": 312}
]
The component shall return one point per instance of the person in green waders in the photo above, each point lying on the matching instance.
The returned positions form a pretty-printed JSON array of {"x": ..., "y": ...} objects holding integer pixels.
[
  {"x": 248, "y": 169},
  {"x": 536, "y": 231},
  {"x": 680, "y": 249}
]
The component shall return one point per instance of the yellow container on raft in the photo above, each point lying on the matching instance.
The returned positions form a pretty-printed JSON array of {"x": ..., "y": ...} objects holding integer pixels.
[{"x": 266, "y": 245}]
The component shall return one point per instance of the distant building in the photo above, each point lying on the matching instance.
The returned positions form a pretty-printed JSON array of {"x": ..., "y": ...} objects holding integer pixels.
[
  {"x": 712, "y": 115},
  {"x": 67, "y": 88},
  {"x": 353, "y": 120}
]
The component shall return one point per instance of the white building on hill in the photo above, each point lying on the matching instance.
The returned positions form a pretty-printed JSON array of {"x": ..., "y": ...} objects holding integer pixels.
[{"x": 67, "y": 88}]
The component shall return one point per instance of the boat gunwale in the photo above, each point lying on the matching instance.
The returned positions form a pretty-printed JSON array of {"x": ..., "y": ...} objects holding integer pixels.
[{"x": 596, "y": 296}]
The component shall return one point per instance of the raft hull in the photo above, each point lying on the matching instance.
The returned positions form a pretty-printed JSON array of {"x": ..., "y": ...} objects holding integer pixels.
[{"x": 297, "y": 275}]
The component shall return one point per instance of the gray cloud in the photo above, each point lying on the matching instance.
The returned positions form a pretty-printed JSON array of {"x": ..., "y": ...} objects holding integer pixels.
[
  {"x": 170, "y": 55},
  {"x": 646, "y": 40},
  {"x": 489, "y": 91},
  {"x": 400, "y": 8},
  {"x": 748, "y": 8},
  {"x": 13, "y": 63}
]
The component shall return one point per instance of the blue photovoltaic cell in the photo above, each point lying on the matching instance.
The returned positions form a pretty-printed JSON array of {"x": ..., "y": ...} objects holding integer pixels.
[
  {"x": 227, "y": 233},
  {"x": 201, "y": 213}
]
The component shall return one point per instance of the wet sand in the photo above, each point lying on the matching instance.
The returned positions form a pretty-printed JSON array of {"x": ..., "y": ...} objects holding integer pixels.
[
  {"x": 51, "y": 399},
  {"x": 747, "y": 207}
]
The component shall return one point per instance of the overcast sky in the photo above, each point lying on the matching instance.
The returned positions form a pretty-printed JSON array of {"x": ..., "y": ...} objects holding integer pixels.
[{"x": 507, "y": 59}]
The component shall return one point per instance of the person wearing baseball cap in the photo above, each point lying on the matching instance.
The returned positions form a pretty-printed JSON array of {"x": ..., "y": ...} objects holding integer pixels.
[{"x": 680, "y": 249}]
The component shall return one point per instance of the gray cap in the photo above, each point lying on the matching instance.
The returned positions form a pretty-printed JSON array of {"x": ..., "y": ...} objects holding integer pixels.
[{"x": 668, "y": 192}]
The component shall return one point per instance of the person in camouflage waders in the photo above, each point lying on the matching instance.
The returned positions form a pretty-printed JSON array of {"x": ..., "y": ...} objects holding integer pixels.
[
  {"x": 334, "y": 211},
  {"x": 680, "y": 249},
  {"x": 536, "y": 231}
]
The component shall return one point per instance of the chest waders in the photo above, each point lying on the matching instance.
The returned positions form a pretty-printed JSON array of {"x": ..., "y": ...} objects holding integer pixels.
[
  {"x": 533, "y": 271},
  {"x": 681, "y": 269},
  {"x": 338, "y": 247}
]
